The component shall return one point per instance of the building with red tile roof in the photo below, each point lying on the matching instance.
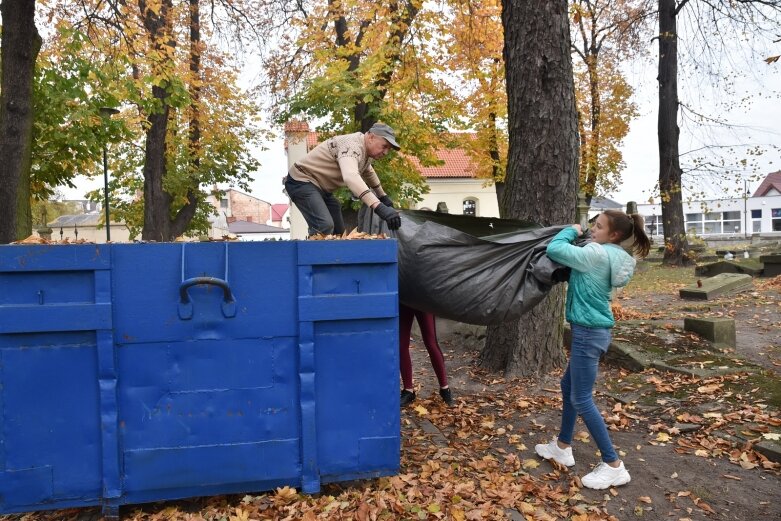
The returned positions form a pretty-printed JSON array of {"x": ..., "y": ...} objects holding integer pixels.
[
  {"x": 771, "y": 185},
  {"x": 456, "y": 163},
  {"x": 279, "y": 214}
]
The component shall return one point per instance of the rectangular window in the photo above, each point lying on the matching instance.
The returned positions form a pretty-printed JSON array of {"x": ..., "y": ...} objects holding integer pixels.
[
  {"x": 756, "y": 221},
  {"x": 653, "y": 224},
  {"x": 223, "y": 203},
  {"x": 694, "y": 223},
  {"x": 694, "y": 228},
  {"x": 775, "y": 213},
  {"x": 731, "y": 226},
  {"x": 712, "y": 227},
  {"x": 731, "y": 216}
]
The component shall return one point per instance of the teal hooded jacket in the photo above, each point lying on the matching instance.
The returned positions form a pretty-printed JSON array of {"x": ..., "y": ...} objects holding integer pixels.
[{"x": 596, "y": 270}]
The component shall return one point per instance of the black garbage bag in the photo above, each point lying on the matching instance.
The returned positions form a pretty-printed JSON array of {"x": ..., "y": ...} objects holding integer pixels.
[{"x": 474, "y": 269}]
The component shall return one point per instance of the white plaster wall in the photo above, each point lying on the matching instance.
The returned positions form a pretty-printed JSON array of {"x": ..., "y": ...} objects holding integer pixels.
[
  {"x": 119, "y": 233},
  {"x": 296, "y": 149},
  {"x": 281, "y": 236},
  {"x": 454, "y": 191}
]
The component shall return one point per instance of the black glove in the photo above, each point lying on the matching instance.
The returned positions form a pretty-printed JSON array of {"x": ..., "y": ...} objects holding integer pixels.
[
  {"x": 386, "y": 201},
  {"x": 389, "y": 215}
]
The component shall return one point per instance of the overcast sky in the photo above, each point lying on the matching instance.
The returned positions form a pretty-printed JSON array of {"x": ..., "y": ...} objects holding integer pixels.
[{"x": 757, "y": 120}]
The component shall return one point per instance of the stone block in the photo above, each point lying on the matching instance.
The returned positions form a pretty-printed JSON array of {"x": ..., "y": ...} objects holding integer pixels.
[
  {"x": 716, "y": 330},
  {"x": 772, "y": 264},
  {"x": 718, "y": 285},
  {"x": 725, "y": 266}
]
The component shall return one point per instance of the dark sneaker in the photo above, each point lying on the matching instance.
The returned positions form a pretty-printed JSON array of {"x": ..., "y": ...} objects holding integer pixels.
[
  {"x": 447, "y": 396},
  {"x": 407, "y": 397}
]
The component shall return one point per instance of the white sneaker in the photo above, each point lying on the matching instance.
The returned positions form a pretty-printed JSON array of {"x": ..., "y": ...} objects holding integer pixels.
[
  {"x": 604, "y": 476},
  {"x": 553, "y": 451}
]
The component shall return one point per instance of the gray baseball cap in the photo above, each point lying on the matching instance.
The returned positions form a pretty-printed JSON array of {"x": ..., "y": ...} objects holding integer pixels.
[{"x": 384, "y": 131}]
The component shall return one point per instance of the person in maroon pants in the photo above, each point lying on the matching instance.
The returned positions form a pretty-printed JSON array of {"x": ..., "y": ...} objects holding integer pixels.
[{"x": 428, "y": 330}]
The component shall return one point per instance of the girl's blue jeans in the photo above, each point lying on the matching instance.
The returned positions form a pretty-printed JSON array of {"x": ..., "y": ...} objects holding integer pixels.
[{"x": 577, "y": 388}]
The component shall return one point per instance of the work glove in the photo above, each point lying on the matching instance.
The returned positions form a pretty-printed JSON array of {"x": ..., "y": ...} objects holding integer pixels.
[
  {"x": 387, "y": 201},
  {"x": 389, "y": 215}
]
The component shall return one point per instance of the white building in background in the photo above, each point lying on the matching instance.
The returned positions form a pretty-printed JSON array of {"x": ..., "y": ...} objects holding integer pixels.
[
  {"x": 454, "y": 183},
  {"x": 252, "y": 231},
  {"x": 280, "y": 216},
  {"x": 743, "y": 216},
  {"x": 88, "y": 227}
]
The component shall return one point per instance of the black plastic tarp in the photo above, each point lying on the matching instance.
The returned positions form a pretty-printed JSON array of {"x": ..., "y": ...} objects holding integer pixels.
[{"x": 476, "y": 270}]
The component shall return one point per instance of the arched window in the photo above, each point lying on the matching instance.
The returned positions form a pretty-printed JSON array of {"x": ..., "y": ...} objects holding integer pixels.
[{"x": 470, "y": 207}]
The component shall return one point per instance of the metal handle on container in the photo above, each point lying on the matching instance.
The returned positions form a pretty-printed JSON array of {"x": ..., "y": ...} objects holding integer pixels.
[{"x": 186, "y": 306}]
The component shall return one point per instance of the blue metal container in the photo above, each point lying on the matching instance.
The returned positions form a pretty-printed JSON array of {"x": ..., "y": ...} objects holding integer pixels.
[{"x": 142, "y": 372}]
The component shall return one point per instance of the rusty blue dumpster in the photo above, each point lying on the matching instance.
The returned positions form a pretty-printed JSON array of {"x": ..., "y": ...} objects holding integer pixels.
[{"x": 141, "y": 372}]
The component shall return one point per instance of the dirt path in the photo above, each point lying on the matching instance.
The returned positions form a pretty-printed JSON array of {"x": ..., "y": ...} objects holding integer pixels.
[{"x": 669, "y": 479}]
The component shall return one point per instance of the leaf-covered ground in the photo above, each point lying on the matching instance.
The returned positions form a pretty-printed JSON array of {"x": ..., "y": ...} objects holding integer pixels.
[{"x": 688, "y": 441}]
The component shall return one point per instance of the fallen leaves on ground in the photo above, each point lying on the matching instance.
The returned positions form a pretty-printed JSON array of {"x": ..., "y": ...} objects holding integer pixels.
[
  {"x": 347, "y": 236},
  {"x": 34, "y": 239}
]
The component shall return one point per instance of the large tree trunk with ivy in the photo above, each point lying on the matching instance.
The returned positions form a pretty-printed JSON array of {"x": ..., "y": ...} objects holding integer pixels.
[
  {"x": 19, "y": 47},
  {"x": 676, "y": 245},
  {"x": 159, "y": 224},
  {"x": 542, "y": 168}
]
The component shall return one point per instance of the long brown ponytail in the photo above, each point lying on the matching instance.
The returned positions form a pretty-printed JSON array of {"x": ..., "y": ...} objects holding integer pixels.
[{"x": 627, "y": 226}]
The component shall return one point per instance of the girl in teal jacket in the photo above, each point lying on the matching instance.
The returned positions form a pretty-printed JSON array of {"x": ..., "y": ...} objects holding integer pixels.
[{"x": 597, "y": 268}]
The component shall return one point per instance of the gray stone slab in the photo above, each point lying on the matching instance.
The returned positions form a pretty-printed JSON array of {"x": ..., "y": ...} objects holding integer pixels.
[
  {"x": 772, "y": 264},
  {"x": 724, "y": 266},
  {"x": 718, "y": 330},
  {"x": 687, "y": 427},
  {"x": 770, "y": 449},
  {"x": 436, "y": 435},
  {"x": 709, "y": 288}
]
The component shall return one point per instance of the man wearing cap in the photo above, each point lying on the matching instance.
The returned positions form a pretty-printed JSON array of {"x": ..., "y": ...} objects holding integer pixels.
[{"x": 342, "y": 161}]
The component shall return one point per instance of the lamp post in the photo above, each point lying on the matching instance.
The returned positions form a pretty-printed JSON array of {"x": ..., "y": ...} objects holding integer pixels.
[
  {"x": 106, "y": 112},
  {"x": 745, "y": 208}
]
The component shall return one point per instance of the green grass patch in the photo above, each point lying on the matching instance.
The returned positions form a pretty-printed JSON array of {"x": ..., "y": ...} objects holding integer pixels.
[
  {"x": 657, "y": 278},
  {"x": 765, "y": 385}
]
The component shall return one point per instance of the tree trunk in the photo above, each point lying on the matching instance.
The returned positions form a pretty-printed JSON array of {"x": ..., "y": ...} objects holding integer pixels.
[
  {"x": 195, "y": 79},
  {"x": 157, "y": 203},
  {"x": 592, "y": 166},
  {"x": 24, "y": 210},
  {"x": 542, "y": 168},
  {"x": 676, "y": 245},
  {"x": 19, "y": 47},
  {"x": 158, "y": 224}
]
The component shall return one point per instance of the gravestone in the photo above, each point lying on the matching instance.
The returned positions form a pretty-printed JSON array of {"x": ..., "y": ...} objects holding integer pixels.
[
  {"x": 772, "y": 264},
  {"x": 45, "y": 233},
  {"x": 723, "y": 266},
  {"x": 716, "y": 330},
  {"x": 709, "y": 288}
]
